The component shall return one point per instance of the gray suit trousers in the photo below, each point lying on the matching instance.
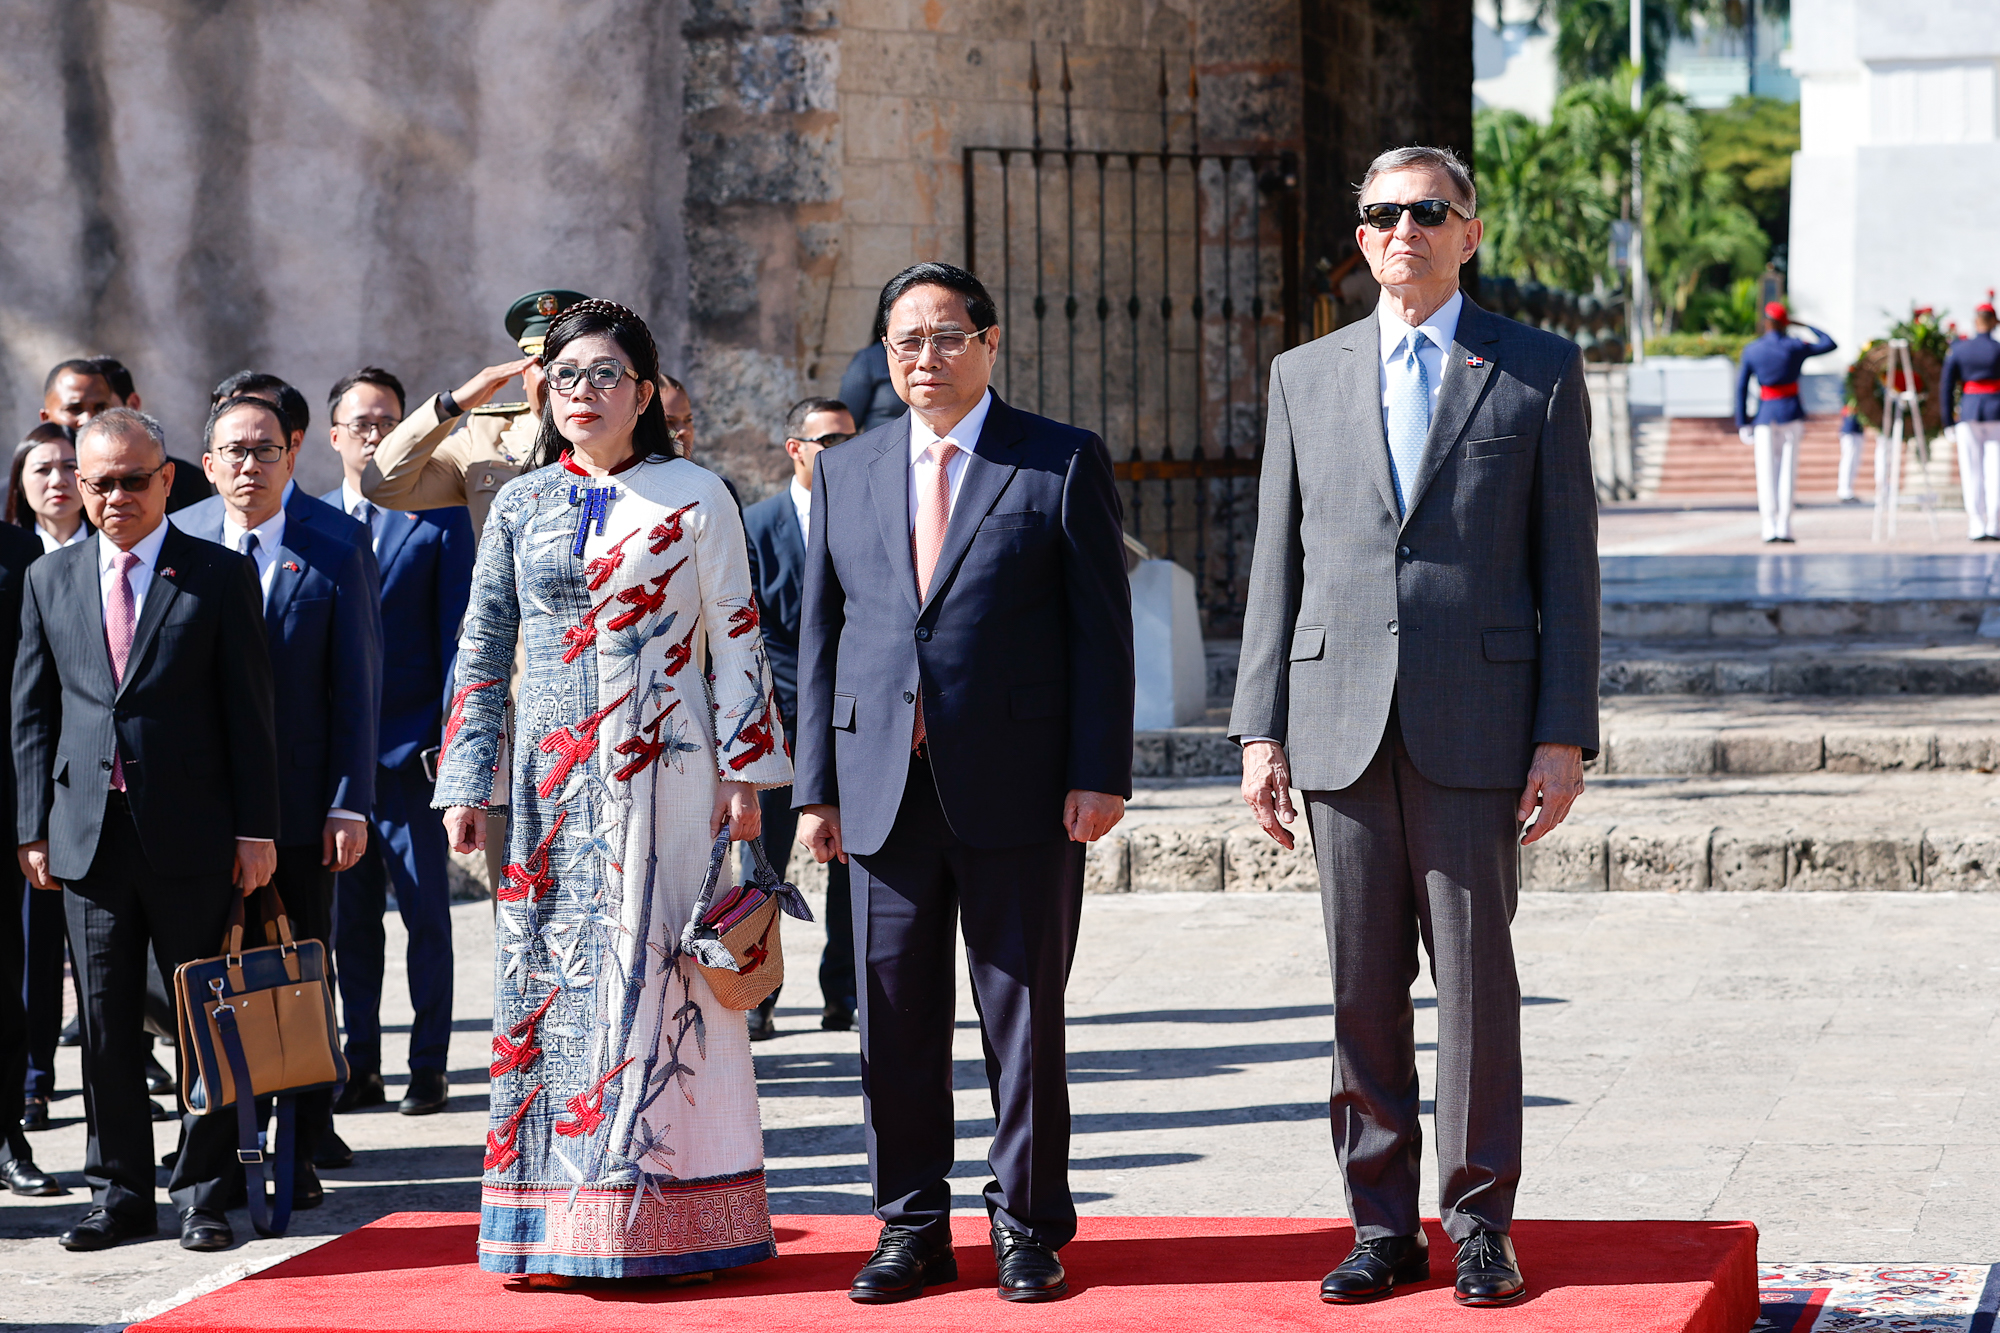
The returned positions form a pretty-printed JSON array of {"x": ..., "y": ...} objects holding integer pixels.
[{"x": 1400, "y": 856}]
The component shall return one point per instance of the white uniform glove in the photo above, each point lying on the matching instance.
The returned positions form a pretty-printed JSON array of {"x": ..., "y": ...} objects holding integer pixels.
[{"x": 1747, "y": 434}]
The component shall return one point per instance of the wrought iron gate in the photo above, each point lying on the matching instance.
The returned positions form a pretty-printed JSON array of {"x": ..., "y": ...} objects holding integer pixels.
[{"x": 1142, "y": 295}]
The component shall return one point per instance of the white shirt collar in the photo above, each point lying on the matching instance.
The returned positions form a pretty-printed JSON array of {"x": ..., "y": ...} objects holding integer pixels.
[
  {"x": 270, "y": 533},
  {"x": 147, "y": 548},
  {"x": 349, "y": 497},
  {"x": 965, "y": 434},
  {"x": 1440, "y": 328}
]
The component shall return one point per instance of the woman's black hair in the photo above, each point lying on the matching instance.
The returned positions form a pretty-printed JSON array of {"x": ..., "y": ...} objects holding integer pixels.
[
  {"x": 650, "y": 439},
  {"x": 47, "y": 432}
]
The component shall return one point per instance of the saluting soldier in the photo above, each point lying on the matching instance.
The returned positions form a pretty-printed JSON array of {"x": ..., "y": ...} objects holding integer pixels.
[
  {"x": 1774, "y": 428},
  {"x": 1973, "y": 365},
  {"x": 427, "y": 462}
]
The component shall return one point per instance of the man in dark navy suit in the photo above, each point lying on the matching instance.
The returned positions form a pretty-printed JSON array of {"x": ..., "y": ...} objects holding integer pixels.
[
  {"x": 426, "y": 561},
  {"x": 1973, "y": 365},
  {"x": 776, "y": 530},
  {"x": 1779, "y": 421},
  {"x": 965, "y": 726},
  {"x": 148, "y": 786},
  {"x": 323, "y": 620}
]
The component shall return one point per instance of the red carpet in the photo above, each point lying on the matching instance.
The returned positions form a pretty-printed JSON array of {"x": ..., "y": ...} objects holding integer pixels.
[{"x": 414, "y": 1273}]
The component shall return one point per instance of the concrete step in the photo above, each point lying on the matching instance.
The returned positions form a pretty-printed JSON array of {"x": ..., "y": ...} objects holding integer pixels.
[
  {"x": 1792, "y": 594},
  {"x": 1684, "y": 736},
  {"x": 1923, "y": 664}
]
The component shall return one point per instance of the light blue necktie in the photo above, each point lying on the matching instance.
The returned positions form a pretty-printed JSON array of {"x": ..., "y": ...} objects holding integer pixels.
[{"x": 1409, "y": 416}]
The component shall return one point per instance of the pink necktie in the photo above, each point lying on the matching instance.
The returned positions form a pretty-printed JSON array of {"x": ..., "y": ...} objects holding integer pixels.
[
  {"x": 120, "y": 618},
  {"x": 933, "y": 517}
]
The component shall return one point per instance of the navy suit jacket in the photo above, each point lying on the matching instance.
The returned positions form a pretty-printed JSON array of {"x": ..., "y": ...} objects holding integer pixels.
[
  {"x": 778, "y": 577},
  {"x": 191, "y": 720},
  {"x": 323, "y": 621},
  {"x": 1023, "y": 649},
  {"x": 426, "y": 563},
  {"x": 1776, "y": 359}
]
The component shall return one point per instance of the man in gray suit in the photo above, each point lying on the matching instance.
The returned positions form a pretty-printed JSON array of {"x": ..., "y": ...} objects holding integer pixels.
[{"x": 1420, "y": 659}]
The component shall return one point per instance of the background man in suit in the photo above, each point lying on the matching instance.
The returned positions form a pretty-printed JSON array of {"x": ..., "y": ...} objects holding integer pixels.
[
  {"x": 965, "y": 726},
  {"x": 1420, "y": 657},
  {"x": 77, "y": 390},
  {"x": 323, "y": 620},
  {"x": 776, "y": 530},
  {"x": 426, "y": 562},
  {"x": 148, "y": 779}
]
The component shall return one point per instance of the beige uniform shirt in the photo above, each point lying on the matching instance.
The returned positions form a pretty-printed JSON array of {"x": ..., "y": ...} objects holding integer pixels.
[{"x": 424, "y": 464}]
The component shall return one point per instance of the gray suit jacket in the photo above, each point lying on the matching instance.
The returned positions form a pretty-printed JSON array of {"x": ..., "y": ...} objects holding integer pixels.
[{"x": 1476, "y": 613}]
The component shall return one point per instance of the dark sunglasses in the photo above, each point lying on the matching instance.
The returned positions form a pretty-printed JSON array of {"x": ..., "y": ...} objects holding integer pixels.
[
  {"x": 828, "y": 440},
  {"x": 131, "y": 485},
  {"x": 1427, "y": 212}
]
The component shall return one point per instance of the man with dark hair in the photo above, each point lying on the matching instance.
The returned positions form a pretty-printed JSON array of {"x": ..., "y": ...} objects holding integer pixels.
[
  {"x": 148, "y": 784},
  {"x": 426, "y": 562},
  {"x": 776, "y": 531},
  {"x": 965, "y": 726},
  {"x": 296, "y": 417},
  {"x": 80, "y": 388},
  {"x": 262, "y": 384}
]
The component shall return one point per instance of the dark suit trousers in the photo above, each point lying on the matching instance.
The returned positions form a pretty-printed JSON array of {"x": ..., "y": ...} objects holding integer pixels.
[
  {"x": 43, "y": 927},
  {"x": 1020, "y": 909},
  {"x": 1401, "y": 858},
  {"x": 13, "y": 1035},
  {"x": 836, "y": 961},
  {"x": 407, "y": 854},
  {"x": 120, "y": 910}
]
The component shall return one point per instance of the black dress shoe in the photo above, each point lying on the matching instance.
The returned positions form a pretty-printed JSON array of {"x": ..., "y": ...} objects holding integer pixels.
[
  {"x": 426, "y": 1094},
  {"x": 72, "y": 1033},
  {"x": 204, "y": 1230},
  {"x": 362, "y": 1091},
  {"x": 159, "y": 1112},
  {"x": 35, "y": 1114},
  {"x": 1488, "y": 1272},
  {"x": 331, "y": 1153},
  {"x": 838, "y": 1016},
  {"x": 100, "y": 1229},
  {"x": 1029, "y": 1269},
  {"x": 764, "y": 1020},
  {"x": 158, "y": 1080},
  {"x": 307, "y": 1192},
  {"x": 901, "y": 1267},
  {"x": 1374, "y": 1267},
  {"x": 23, "y": 1177}
]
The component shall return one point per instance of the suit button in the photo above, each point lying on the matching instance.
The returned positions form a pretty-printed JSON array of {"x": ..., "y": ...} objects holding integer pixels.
[
  {"x": 923, "y": 634},
  {"x": 1403, "y": 551},
  {"x": 104, "y": 764},
  {"x": 908, "y": 698},
  {"x": 1392, "y": 627}
]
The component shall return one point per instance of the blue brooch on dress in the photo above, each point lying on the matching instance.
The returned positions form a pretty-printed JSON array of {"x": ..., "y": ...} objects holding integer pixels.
[{"x": 596, "y": 502}]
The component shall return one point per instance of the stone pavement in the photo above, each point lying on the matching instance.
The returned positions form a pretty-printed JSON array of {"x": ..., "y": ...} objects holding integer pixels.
[
  {"x": 1827, "y": 1065},
  {"x": 1730, "y": 526}
]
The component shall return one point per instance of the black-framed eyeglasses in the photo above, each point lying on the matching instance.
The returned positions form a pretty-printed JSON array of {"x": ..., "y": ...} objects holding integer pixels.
[
  {"x": 132, "y": 483},
  {"x": 603, "y": 376},
  {"x": 948, "y": 344},
  {"x": 369, "y": 428},
  {"x": 828, "y": 440},
  {"x": 1427, "y": 212},
  {"x": 235, "y": 454}
]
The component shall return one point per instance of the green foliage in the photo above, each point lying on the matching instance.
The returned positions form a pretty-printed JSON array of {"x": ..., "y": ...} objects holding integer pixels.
[
  {"x": 1734, "y": 312},
  {"x": 1925, "y": 331},
  {"x": 1751, "y": 141},
  {"x": 1594, "y": 37},
  {"x": 1698, "y": 344},
  {"x": 1546, "y": 219}
]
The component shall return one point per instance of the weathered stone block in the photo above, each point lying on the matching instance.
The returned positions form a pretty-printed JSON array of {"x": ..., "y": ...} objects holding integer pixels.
[
  {"x": 1571, "y": 859},
  {"x": 1968, "y": 747},
  {"x": 1670, "y": 858},
  {"x": 1203, "y": 752},
  {"x": 1966, "y": 859},
  {"x": 1655, "y": 620},
  {"x": 1165, "y": 859},
  {"x": 804, "y": 872},
  {"x": 1736, "y": 621},
  {"x": 1858, "y": 860},
  {"x": 1680, "y": 751},
  {"x": 1149, "y": 755},
  {"x": 465, "y": 877},
  {"x": 1880, "y": 750},
  {"x": 1792, "y": 750},
  {"x": 1653, "y": 676},
  {"x": 1252, "y": 863},
  {"x": 1819, "y": 618},
  {"x": 1106, "y": 865},
  {"x": 1748, "y": 859}
]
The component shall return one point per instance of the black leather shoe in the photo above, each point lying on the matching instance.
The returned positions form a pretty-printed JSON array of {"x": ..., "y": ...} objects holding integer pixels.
[
  {"x": 35, "y": 1114},
  {"x": 307, "y": 1192},
  {"x": 100, "y": 1230},
  {"x": 22, "y": 1176},
  {"x": 1374, "y": 1267},
  {"x": 158, "y": 1081},
  {"x": 764, "y": 1020},
  {"x": 838, "y": 1016},
  {"x": 159, "y": 1112},
  {"x": 72, "y": 1033},
  {"x": 362, "y": 1091},
  {"x": 1488, "y": 1272},
  {"x": 901, "y": 1267},
  {"x": 206, "y": 1231},
  {"x": 1029, "y": 1269},
  {"x": 332, "y": 1152},
  {"x": 426, "y": 1094}
]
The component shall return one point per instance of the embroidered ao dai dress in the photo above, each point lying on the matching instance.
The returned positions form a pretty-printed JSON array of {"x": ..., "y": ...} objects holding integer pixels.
[{"x": 625, "y": 1139}]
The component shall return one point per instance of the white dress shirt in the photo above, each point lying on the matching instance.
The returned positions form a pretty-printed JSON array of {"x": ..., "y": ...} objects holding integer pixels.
[
  {"x": 1438, "y": 330},
  {"x": 49, "y": 543},
  {"x": 802, "y": 504},
  {"x": 923, "y": 439},
  {"x": 270, "y": 535},
  {"x": 351, "y": 500}
]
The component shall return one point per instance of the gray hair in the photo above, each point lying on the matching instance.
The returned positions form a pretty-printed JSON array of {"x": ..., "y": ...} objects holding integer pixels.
[
  {"x": 123, "y": 421},
  {"x": 1431, "y": 159}
]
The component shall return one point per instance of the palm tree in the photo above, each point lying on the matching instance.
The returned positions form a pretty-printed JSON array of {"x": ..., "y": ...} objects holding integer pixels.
[{"x": 1545, "y": 218}]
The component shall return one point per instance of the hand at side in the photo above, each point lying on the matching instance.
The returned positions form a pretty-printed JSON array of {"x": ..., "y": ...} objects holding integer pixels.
[
  {"x": 1267, "y": 789},
  {"x": 1555, "y": 780}
]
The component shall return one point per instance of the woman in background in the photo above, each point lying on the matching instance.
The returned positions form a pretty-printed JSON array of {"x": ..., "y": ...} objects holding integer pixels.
[{"x": 42, "y": 490}]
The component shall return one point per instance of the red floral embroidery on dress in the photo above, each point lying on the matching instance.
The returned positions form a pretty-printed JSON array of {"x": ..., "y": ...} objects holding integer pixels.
[
  {"x": 457, "y": 718},
  {"x": 588, "y": 1107},
  {"x": 642, "y": 602},
  {"x": 500, "y": 1150},
  {"x": 533, "y": 876},
  {"x": 507, "y": 1056},
  {"x": 572, "y": 746},
  {"x": 668, "y": 530},
  {"x": 743, "y": 619},
  {"x": 678, "y": 654},
  {"x": 599, "y": 571},
  {"x": 583, "y": 634},
  {"x": 643, "y": 751}
]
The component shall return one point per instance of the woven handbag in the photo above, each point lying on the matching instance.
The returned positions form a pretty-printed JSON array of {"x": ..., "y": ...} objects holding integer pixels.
[
  {"x": 258, "y": 1022},
  {"x": 734, "y": 939}
]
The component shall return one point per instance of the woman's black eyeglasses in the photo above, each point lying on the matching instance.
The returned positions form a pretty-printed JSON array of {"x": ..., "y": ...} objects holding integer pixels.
[
  {"x": 1427, "y": 212},
  {"x": 603, "y": 376}
]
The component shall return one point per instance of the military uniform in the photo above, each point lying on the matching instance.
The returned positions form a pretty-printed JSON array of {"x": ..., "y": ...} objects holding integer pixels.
[
  {"x": 1774, "y": 429},
  {"x": 1973, "y": 367}
]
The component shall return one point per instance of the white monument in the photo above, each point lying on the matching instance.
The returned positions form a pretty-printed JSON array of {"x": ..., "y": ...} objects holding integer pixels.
[
  {"x": 1896, "y": 185},
  {"x": 1172, "y": 671}
]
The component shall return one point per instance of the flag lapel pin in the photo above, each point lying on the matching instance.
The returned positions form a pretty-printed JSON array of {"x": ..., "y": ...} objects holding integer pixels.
[{"x": 1475, "y": 361}]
